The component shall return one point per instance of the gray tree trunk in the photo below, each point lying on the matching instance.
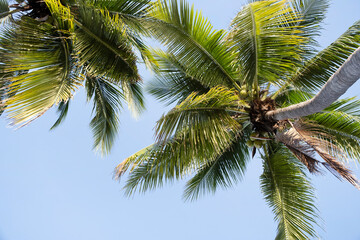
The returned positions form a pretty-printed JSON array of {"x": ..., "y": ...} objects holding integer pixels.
[{"x": 336, "y": 86}]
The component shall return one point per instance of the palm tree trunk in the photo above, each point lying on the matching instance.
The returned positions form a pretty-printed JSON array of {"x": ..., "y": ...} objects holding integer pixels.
[{"x": 336, "y": 86}]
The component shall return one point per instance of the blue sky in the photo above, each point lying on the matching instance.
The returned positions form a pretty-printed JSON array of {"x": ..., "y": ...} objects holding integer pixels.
[{"x": 53, "y": 186}]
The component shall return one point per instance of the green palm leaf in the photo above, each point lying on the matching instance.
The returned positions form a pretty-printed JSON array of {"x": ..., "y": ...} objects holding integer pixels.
[
  {"x": 205, "y": 116},
  {"x": 223, "y": 171},
  {"x": 266, "y": 43},
  {"x": 5, "y": 13},
  {"x": 288, "y": 192},
  {"x": 4, "y": 7},
  {"x": 46, "y": 51},
  {"x": 129, "y": 13},
  {"x": 173, "y": 82},
  {"x": 312, "y": 14},
  {"x": 107, "y": 105},
  {"x": 314, "y": 74},
  {"x": 191, "y": 38},
  {"x": 103, "y": 46},
  {"x": 198, "y": 130},
  {"x": 63, "y": 109},
  {"x": 130, "y": 8},
  {"x": 342, "y": 122}
]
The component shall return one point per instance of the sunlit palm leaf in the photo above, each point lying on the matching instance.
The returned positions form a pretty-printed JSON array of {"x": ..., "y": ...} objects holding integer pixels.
[
  {"x": 313, "y": 75},
  {"x": 172, "y": 83},
  {"x": 163, "y": 162},
  {"x": 266, "y": 43},
  {"x": 288, "y": 192},
  {"x": 205, "y": 116},
  {"x": 342, "y": 122},
  {"x": 5, "y": 13},
  {"x": 46, "y": 51},
  {"x": 223, "y": 171},
  {"x": 191, "y": 38},
  {"x": 103, "y": 47},
  {"x": 130, "y": 13},
  {"x": 134, "y": 97},
  {"x": 158, "y": 164},
  {"x": 202, "y": 133},
  {"x": 130, "y": 8},
  {"x": 312, "y": 14}
]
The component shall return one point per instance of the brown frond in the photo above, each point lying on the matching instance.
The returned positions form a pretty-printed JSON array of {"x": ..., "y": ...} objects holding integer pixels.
[
  {"x": 301, "y": 150},
  {"x": 311, "y": 163},
  {"x": 321, "y": 146}
]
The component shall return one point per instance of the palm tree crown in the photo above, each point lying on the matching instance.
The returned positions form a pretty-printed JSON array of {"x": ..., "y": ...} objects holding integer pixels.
[
  {"x": 224, "y": 83},
  {"x": 50, "y": 48}
]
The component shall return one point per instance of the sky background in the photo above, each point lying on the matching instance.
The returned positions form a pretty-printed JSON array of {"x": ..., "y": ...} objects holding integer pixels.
[{"x": 53, "y": 186}]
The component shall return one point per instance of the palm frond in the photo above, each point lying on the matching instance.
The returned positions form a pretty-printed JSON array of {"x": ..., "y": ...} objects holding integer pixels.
[
  {"x": 4, "y": 7},
  {"x": 321, "y": 146},
  {"x": 129, "y": 13},
  {"x": 63, "y": 19},
  {"x": 134, "y": 97},
  {"x": 5, "y": 13},
  {"x": 223, "y": 171},
  {"x": 312, "y": 14},
  {"x": 161, "y": 163},
  {"x": 343, "y": 124},
  {"x": 46, "y": 51},
  {"x": 289, "y": 96},
  {"x": 172, "y": 83},
  {"x": 301, "y": 150},
  {"x": 192, "y": 40},
  {"x": 288, "y": 192},
  {"x": 314, "y": 74},
  {"x": 62, "y": 110},
  {"x": 107, "y": 105},
  {"x": 205, "y": 116},
  {"x": 177, "y": 156},
  {"x": 103, "y": 46},
  {"x": 130, "y": 8},
  {"x": 266, "y": 43}
]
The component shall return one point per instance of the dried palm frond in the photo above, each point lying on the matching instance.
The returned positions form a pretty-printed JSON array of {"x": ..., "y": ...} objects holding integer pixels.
[{"x": 322, "y": 148}]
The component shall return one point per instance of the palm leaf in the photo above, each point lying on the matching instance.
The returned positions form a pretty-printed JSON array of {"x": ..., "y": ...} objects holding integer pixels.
[
  {"x": 103, "y": 46},
  {"x": 223, "y": 171},
  {"x": 312, "y": 14},
  {"x": 46, "y": 51},
  {"x": 62, "y": 110},
  {"x": 324, "y": 149},
  {"x": 129, "y": 13},
  {"x": 191, "y": 39},
  {"x": 198, "y": 138},
  {"x": 266, "y": 43},
  {"x": 4, "y": 7},
  {"x": 173, "y": 82},
  {"x": 107, "y": 105},
  {"x": 134, "y": 8},
  {"x": 314, "y": 74},
  {"x": 288, "y": 192},
  {"x": 343, "y": 127},
  {"x": 5, "y": 13},
  {"x": 134, "y": 97},
  {"x": 204, "y": 116}
]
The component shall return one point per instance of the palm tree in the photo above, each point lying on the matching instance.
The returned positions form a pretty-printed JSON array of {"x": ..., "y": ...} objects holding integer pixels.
[
  {"x": 48, "y": 49},
  {"x": 226, "y": 85}
]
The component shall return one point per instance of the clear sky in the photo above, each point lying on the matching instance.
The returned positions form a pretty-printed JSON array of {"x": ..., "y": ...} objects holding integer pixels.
[{"x": 54, "y": 187}]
